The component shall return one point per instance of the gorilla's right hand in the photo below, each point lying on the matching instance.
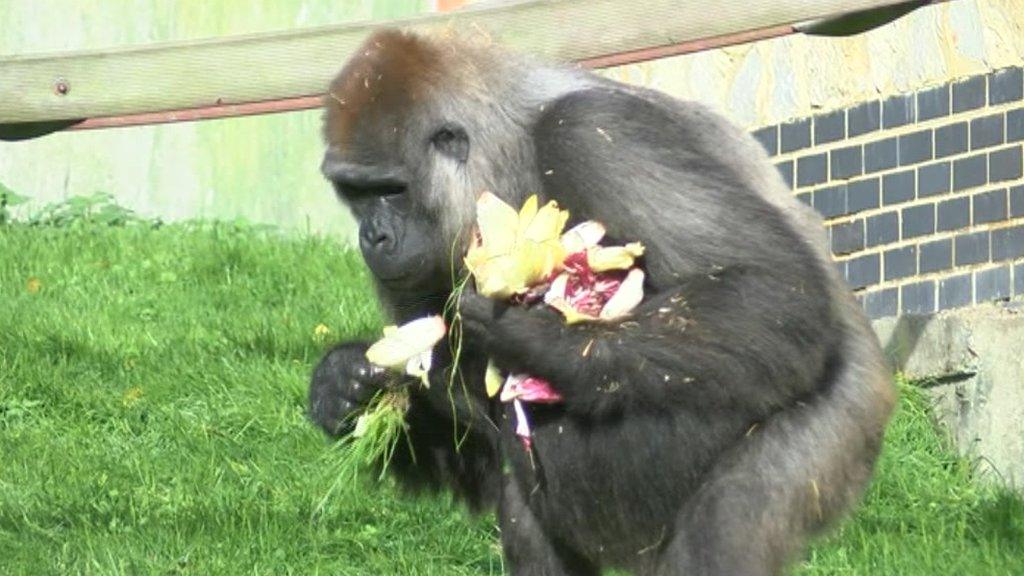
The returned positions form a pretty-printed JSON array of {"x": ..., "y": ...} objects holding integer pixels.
[{"x": 343, "y": 383}]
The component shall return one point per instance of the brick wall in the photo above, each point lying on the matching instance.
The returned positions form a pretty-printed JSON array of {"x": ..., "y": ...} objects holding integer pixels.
[{"x": 923, "y": 193}]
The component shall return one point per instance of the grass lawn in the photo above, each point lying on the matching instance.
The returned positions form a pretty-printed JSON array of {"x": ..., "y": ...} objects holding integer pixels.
[{"x": 152, "y": 389}]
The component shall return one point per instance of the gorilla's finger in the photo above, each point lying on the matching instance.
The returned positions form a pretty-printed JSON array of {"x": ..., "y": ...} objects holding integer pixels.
[
  {"x": 345, "y": 372},
  {"x": 482, "y": 309},
  {"x": 331, "y": 411},
  {"x": 474, "y": 307}
]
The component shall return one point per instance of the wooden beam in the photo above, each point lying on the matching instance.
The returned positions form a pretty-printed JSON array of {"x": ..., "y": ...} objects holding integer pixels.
[
  {"x": 247, "y": 74},
  {"x": 310, "y": 102}
]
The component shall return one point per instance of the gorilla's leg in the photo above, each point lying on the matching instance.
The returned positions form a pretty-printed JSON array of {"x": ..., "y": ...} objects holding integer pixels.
[
  {"x": 784, "y": 482},
  {"x": 528, "y": 551}
]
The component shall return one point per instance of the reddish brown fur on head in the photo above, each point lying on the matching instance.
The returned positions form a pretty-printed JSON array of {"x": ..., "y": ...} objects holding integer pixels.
[
  {"x": 401, "y": 93},
  {"x": 390, "y": 71}
]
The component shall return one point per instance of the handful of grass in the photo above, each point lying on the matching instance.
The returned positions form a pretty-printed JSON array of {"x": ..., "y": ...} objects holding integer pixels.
[
  {"x": 405, "y": 350},
  {"x": 377, "y": 432},
  {"x": 372, "y": 443}
]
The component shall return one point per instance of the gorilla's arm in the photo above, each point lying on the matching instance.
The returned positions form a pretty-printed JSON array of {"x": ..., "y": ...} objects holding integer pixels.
[
  {"x": 713, "y": 343},
  {"x": 445, "y": 454},
  {"x": 452, "y": 438},
  {"x": 737, "y": 316}
]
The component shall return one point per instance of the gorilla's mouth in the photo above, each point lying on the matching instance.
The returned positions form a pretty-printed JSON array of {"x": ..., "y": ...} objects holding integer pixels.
[
  {"x": 399, "y": 274},
  {"x": 396, "y": 277}
]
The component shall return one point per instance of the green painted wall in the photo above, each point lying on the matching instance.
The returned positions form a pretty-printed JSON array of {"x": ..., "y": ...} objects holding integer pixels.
[{"x": 263, "y": 169}]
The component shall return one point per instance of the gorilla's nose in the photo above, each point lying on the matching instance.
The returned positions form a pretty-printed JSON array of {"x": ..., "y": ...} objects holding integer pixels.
[{"x": 376, "y": 239}]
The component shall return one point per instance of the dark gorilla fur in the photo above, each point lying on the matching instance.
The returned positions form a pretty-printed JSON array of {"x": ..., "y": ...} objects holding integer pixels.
[{"x": 736, "y": 413}]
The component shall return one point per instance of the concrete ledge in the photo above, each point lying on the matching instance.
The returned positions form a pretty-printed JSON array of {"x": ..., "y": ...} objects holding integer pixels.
[{"x": 971, "y": 362}]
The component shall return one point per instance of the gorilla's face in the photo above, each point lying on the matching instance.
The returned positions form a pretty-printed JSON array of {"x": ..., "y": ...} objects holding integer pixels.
[
  {"x": 410, "y": 147},
  {"x": 394, "y": 232},
  {"x": 388, "y": 185}
]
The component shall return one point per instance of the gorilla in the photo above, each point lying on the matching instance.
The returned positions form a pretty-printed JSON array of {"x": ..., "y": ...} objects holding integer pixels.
[{"x": 737, "y": 412}]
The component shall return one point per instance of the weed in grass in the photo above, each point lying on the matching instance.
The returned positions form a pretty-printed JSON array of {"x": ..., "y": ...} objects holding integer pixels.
[{"x": 8, "y": 199}]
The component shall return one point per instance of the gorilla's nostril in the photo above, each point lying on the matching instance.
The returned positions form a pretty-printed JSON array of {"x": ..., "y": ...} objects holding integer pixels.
[{"x": 376, "y": 239}]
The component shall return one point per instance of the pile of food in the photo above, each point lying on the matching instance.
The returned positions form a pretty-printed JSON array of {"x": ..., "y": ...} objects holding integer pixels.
[{"x": 525, "y": 258}]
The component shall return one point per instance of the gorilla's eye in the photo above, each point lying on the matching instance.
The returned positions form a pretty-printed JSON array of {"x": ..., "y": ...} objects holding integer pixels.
[{"x": 451, "y": 141}]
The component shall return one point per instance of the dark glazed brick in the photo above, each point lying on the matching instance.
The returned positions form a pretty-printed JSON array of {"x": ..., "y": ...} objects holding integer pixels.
[
  {"x": 846, "y": 162},
  {"x": 864, "y": 118},
  {"x": 795, "y": 135},
  {"x": 1015, "y": 125},
  {"x": 786, "y": 171},
  {"x": 933, "y": 103},
  {"x": 829, "y": 127},
  {"x": 933, "y": 179},
  {"x": 1018, "y": 280},
  {"x": 918, "y": 221},
  {"x": 969, "y": 94},
  {"x": 971, "y": 248},
  {"x": 970, "y": 172},
  {"x": 897, "y": 111},
  {"x": 935, "y": 256},
  {"x": 955, "y": 292},
  {"x": 1007, "y": 243},
  {"x": 882, "y": 229},
  {"x": 862, "y": 195},
  {"x": 1017, "y": 201},
  {"x": 841, "y": 268},
  {"x": 848, "y": 237},
  {"x": 953, "y": 214},
  {"x": 989, "y": 206},
  {"x": 987, "y": 131},
  {"x": 898, "y": 187},
  {"x": 918, "y": 298},
  {"x": 915, "y": 147},
  {"x": 992, "y": 284},
  {"x": 1005, "y": 86},
  {"x": 769, "y": 139},
  {"x": 1004, "y": 165},
  {"x": 900, "y": 262},
  {"x": 810, "y": 170},
  {"x": 863, "y": 271},
  {"x": 806, "y": 198},
  {"x": 831, "y": 201},
  {"x": 881, "y": 303},
  {"x": 881, "y": 155},
  {"x": 950, "y": 139}
]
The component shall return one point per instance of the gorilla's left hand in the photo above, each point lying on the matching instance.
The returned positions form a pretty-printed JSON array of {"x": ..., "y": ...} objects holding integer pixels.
[
  {"x": 343, "y": 383},
  {"x": 500, "y": 328},
  {"x": 535, "y": 340}
]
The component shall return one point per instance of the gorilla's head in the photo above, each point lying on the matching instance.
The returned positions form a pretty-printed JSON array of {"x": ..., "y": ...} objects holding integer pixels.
[{"x": 416, "y": 129}]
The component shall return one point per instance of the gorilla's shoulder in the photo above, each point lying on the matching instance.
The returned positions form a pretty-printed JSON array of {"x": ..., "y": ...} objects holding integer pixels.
[{"x": 646, "y": 123}]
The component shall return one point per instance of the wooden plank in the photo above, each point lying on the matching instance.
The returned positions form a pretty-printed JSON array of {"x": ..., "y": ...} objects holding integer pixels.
[
  {"x": 17, "y": 131},
  {"x": 259, "y": 68}
]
